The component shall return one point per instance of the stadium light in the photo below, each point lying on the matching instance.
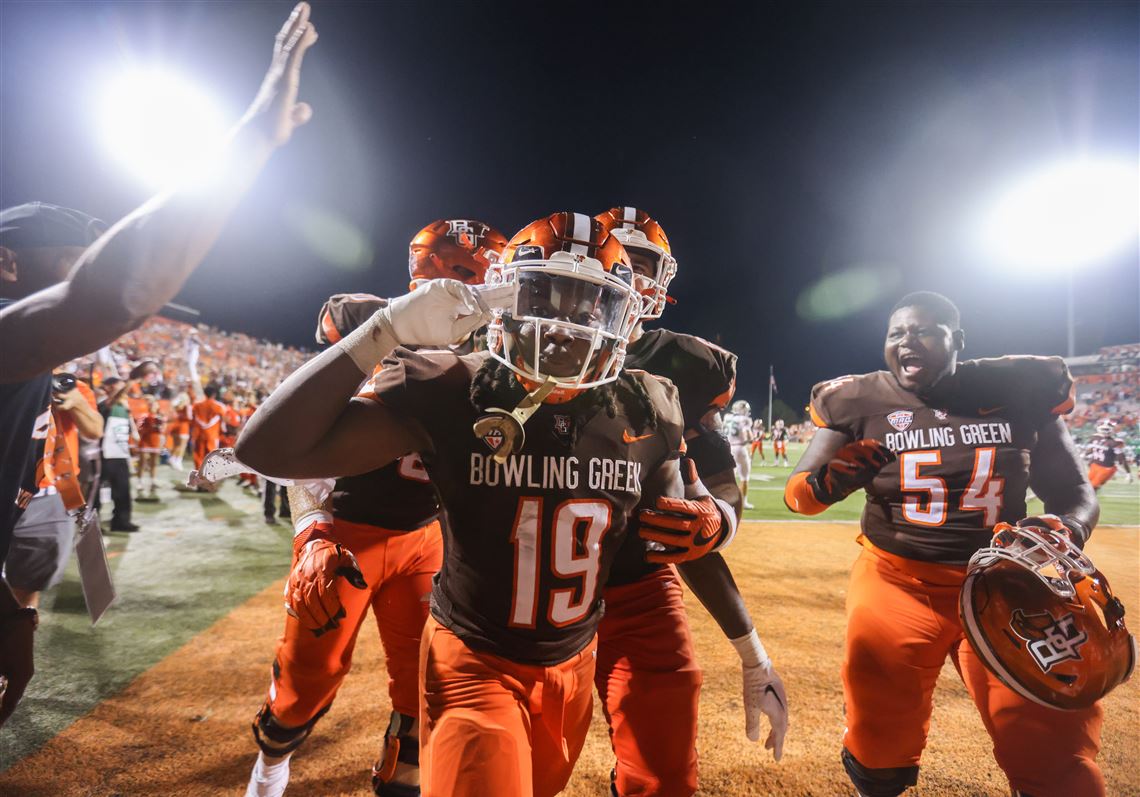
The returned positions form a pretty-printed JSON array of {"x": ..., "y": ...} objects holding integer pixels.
[
  {"x": 159, "y": 126},
  {"x": 1066, "y": 216}
]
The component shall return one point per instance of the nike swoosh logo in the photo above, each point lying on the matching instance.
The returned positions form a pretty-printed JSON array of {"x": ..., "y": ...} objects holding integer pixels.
[
  {"x": 770, "y": 690},
  {"x": 627, "y": 438},
  {"x": 990, "y": 410}
]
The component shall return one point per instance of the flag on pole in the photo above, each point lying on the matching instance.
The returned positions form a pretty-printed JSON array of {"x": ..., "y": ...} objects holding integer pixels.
[{"x": 772, "y": 382}]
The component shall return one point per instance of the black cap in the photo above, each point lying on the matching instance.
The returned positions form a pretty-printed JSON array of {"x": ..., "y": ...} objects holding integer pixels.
[{"x": 40, "y": 224}]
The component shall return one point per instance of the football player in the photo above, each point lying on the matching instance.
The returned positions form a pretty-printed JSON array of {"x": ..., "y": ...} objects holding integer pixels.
[
  {"x": 535, "y": 515},
  {"x": 647, "y": 673},
  {"x": 779, "y": 444},
  {"x": 383, "y": 525},
  {"x": 1106, "y": 453},
  {"x": 758, "y": 441},
  {"x": 945, "y": 450},
  {"x": 738, "y": 429}
]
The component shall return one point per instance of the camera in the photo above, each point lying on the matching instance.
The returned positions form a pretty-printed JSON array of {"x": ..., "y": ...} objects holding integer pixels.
[{"x": 61, "y": 384}]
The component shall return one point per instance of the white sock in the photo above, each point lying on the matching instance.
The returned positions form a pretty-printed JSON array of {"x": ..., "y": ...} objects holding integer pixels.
[{"x": 270, "y": 776}]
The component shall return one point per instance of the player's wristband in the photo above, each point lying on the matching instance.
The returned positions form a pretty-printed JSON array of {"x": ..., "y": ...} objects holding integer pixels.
[
  {"x": 800, "y": 497},
  {"x": 751, "y": 649},
  {"x": 728, "y": 525},
  {"x": 370, "y": 342}
]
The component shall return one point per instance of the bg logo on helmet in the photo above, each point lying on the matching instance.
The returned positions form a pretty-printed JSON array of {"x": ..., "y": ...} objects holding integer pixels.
[
  {"x": 1050, "y": 641},
  {"x": 464, "y": 233}
]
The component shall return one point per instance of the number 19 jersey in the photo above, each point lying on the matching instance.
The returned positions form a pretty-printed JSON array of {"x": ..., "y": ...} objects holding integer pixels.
[{"x": 529, "y": 543}]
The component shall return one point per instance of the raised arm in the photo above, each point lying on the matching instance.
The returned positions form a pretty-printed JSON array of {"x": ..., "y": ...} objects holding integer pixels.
[
  {"x": 139, "y": 264},
  {"x": 310, "y": 428}
]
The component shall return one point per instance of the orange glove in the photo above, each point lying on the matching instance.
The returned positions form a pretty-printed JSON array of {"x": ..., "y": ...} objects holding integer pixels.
[
  {"x": 311, "y": 591},
  {"x": 683, "y": 529},
  {"x": 853, "y": 467}
]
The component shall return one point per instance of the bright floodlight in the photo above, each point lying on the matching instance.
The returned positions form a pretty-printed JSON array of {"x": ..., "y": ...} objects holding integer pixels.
[
  {"x": 1069, "y": 215},
  {"x": 159, "y": 126}
]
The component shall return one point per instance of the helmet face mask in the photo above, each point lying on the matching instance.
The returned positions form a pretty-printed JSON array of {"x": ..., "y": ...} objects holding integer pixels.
[
  {"x": 630, "y": 226},
  {"x": 571, "y": 316},
  {"x": 1043, "y": 619}
]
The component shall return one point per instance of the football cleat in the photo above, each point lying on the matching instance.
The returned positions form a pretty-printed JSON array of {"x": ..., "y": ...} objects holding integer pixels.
[{"x": 1043, "y": 619}]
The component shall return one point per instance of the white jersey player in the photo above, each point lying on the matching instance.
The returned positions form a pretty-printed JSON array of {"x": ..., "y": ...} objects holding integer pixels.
[{"x": 738, "y": 429}]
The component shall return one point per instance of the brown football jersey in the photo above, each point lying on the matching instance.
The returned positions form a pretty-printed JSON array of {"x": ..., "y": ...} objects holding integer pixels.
[
  {"x": 528, "y": 543},
  {"x": 1106, "y": 450},
  {"x": 963, "y": 452},
  {"x": 397, "y": 497},
  {"x": 705, "y": 377}
]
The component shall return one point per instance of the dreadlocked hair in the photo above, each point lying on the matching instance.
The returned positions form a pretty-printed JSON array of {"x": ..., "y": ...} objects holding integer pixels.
[{"x": 495, "y": 385}]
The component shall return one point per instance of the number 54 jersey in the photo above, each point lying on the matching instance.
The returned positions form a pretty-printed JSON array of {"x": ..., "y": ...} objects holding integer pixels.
[
  {"x": 529, "y": 543},
  {"x": 964, "y": 449}
]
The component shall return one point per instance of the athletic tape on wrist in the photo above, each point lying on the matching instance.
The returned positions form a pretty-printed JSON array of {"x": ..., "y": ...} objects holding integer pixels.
[
  {"x": 370, "y": 342},
  {"x": 751, "y": 649},
  {"x": 729, "y": 525}
]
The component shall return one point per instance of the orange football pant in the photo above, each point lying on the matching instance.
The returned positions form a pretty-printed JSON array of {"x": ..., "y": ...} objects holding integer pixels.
[
  {"x": 650, "y": 685},
  {"x": 491, "y": 726},
  {"x": 1099, "y": 475},
  {"x": 902, "y": 623},
  {"x": 758, "y": 448},
  {"x": 204, "y": 443},
  {"x": 780, "y": 449},
  {"x": 398, "y": 567}
]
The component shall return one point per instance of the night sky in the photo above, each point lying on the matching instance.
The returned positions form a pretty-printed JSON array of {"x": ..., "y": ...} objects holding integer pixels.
[{"x": 778, "y": 144}]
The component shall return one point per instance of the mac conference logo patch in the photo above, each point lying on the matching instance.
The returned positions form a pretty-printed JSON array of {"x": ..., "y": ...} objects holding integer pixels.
[{"x": 901, "y": 419}]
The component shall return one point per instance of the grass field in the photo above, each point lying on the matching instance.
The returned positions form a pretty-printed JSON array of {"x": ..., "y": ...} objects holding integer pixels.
[{"x": 157, "y": 698}]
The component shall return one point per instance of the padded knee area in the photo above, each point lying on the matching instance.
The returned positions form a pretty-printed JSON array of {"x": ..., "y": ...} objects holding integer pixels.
[
  {"x": 888, "y": 782},
  {"x": 276, "y": 739}
]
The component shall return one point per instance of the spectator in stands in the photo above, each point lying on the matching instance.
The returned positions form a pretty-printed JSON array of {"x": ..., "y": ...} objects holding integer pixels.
[{"x": 67, "y": 289}]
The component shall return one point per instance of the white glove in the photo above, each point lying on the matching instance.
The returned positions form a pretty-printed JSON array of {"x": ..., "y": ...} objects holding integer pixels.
[
  {"x": 437, "y": 313},
  {"x": 763, "y": 692}
]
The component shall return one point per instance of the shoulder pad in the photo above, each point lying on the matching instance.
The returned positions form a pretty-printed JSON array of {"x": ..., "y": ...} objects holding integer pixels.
[
  {"x": 1035, "y": 386},
  {"x": 704, "y": 373},
  {"x": 835, "y": 404},
  {"x": 665, "y": 397}
]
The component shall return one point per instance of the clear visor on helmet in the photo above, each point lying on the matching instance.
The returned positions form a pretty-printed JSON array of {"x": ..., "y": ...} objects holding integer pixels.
[
  {"x": 568, "y": 321},
  {"x": 653, "y": 269}
]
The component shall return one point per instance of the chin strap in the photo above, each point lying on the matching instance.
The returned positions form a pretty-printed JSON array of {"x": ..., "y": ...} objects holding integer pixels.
[{"x": 503, "y": 430}]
